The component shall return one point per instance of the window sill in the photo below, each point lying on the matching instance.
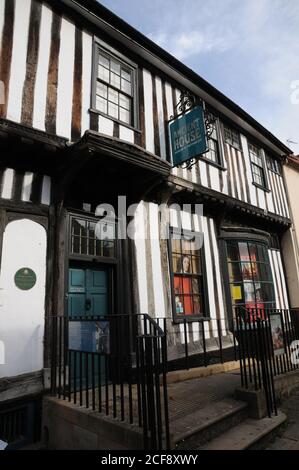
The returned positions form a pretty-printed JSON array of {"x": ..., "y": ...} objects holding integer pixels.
[
  {"x": 210, "y": 162},
  {"x": 121, "y": 123},
  {"x": 266, "y": 190}
]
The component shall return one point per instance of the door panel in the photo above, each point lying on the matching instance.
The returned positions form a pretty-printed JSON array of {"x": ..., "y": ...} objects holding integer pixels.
[
  {"x": 97, "y": 292},
  {"x": 77, "y": 292},
  {"x": 88, "y": 292}
]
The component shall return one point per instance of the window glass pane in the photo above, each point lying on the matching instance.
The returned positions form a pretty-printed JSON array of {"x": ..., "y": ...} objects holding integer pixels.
[
  {"x": 196, "y": 265},
  {"x": 268, "y": 292},
  {"x": 114, "y": 67},
  {"x": 102, "y": 90},
  {"x": 249, "y": 291},
  {"x": 232, "y": 251},
  {"x": 184, "y": 264},
  {"x": 76, "y": 245},
  {"x": 178, "y": 284},
  {"x": 195, "y": 286},
  {"x": 255, "y": 271},
  {"x": 236, "y": 293},
  {"x": 101, "y": 104},
  {"x": 113, "y": 96},
  {"x": 126, "y": 86},
  {"x": 113, "y": 110},
  {"x": 126, "y": 75},
  {"x": 197, "y": 305},
  {"x": 108, "y": 248},
  {"x": 103, "y": 61},
  {"x": 176, "y": 245},
  {"x": 103, "y": 74},
  {"x": 253, "y": 251},
  {"x": 246, "y": 271},
  {"x": 188, "y": 305},
  {"x": 265, "y": 272},
  {"x": 115, "y": 80},
  {"x": 124, "y": 101},
  {"x": 234, "y": 272},
  {"x": 176, "y": 262},
  {"x": 124, "y": 115},
  {"x": 243, "y": 249},
  {"x": 186, "y": 246},
  {"x": 227, "y": 135},
  {"x": 262, "y": 253}
]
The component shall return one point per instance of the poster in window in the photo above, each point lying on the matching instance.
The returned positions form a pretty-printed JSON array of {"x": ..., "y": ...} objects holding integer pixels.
[
  {"x": 89, "y": 336},
  {"x": 277, "y": 334},
  {"x": 183, "y": 288}
]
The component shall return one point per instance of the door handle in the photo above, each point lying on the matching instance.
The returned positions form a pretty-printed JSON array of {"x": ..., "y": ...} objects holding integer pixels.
[{"x": 87, "y": 304}]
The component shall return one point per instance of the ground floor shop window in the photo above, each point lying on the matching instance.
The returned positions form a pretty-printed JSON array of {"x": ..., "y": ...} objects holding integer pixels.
[
  {"x": 250, "y": 275},
  {"x": 186, "y": 263}
]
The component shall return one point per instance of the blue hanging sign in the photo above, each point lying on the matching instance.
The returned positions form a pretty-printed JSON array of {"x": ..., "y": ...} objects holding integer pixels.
[{"x": 188, "y": 136}]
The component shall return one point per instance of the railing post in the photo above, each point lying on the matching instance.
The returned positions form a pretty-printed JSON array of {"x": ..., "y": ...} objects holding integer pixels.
[
  {"x": 186, "y": 344},
  {"x": 220, "y": 339}
]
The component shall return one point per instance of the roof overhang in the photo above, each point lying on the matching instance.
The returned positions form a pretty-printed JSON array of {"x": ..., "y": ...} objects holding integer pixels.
[{"x": 122, "y": 32}]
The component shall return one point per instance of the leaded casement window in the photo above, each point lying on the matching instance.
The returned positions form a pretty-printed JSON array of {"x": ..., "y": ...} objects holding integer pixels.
[
  {"x": 115, "y": 87},
  {"x": 250, "y": 275},
  {"x": 89, "y": 237},
  {"x": 232, "y": 137},
  {"x": 257, "y": 165},
  {"x": 213, "y": 154},
  {"x": 274, "y": 165},
  {"x": 187, "y": 275}
]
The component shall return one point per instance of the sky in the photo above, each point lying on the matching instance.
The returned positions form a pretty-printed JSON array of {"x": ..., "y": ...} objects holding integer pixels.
[{"x": 248, "y": 49}]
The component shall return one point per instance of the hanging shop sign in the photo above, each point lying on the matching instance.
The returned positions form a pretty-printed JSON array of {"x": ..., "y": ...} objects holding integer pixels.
[
  {"x": 188, "y": 136},
  {"x": 25, "y": 278},
  {"x": 277, "y": 334}
]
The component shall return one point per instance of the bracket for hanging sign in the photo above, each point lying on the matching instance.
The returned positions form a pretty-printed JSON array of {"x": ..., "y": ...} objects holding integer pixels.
[{"x": 190, "y": 128}]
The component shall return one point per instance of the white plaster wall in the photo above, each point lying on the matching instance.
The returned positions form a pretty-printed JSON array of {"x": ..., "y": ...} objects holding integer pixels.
[{"x": 22, "y": 312}]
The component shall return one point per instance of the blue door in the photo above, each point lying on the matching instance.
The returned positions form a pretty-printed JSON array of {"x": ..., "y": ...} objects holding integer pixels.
[
  {"x": 88, "y": 292},
  {"x": 88, "y": 296}
]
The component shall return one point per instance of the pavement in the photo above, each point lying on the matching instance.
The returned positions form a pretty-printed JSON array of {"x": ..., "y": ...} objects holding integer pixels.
[{"x": 288, "y": 438}]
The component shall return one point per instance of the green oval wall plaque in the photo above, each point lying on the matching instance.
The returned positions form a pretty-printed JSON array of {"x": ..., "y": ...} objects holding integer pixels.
[{"x": 25, "y": 278}]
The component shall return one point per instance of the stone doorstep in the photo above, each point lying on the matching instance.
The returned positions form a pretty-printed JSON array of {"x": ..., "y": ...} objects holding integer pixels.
[
  {"x": 204, "y": 419},
  {"x": 246, "y": 434},
  {"x": 198, "y": 372}
]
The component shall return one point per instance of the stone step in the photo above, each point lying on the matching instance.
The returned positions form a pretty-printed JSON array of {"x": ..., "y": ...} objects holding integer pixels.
[
  {"x": 203, "y": 425},
  {"x": 250, "y": 434}
]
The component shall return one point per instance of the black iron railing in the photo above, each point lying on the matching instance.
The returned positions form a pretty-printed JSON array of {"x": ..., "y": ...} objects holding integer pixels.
[
  {"x": 265, "y": 346},
  {"x": 115, "y": 365},
  {"x": 201, "y": 342}
]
